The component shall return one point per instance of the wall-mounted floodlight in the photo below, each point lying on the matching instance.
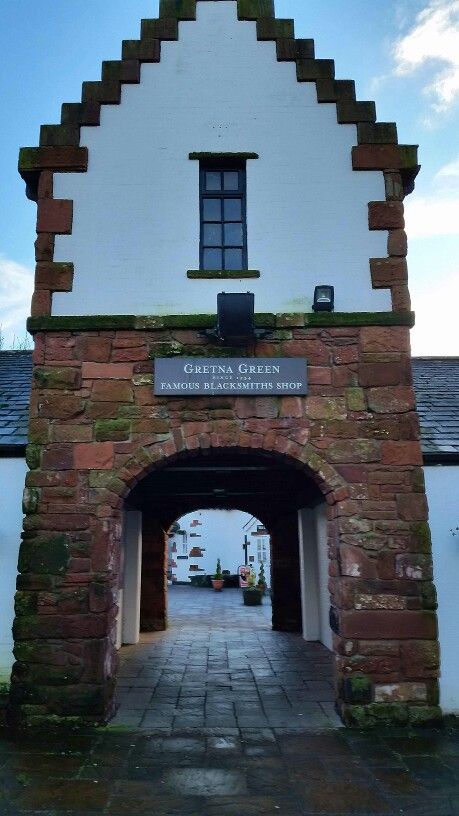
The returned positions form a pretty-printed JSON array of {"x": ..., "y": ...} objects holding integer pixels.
[
  {"x": 324, "y": 299},
  {"x": 235, "y": 317}
]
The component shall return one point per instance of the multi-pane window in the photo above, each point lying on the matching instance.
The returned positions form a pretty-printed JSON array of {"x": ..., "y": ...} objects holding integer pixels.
[
  {"x": 223, "y": 244},
  {"x": 262, "y": 551}
]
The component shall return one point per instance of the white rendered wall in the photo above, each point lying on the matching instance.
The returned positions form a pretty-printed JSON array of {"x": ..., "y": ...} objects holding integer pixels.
[
  {"x": 132, "y": 576},
  {"x": 442, "y": 488},
  {"x": 136, "y": 215},
  {"x": 12, "y": 477},
  {"x": 220, "y": 535},
  {"x": 315, "y": 597}
]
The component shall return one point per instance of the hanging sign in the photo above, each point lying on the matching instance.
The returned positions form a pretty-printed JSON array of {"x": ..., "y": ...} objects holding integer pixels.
[{"x": 239, "y": 376}]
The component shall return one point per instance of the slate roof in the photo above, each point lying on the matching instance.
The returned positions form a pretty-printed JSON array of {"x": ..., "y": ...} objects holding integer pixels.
[
  {"x": 436, "y": 381},
  {"x": 15, "y": 382}
]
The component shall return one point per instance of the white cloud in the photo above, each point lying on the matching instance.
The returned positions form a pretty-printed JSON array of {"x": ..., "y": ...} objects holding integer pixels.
[
  {"x": 16, "y": 287},
  {"x": 435, "y": 332},
  {"x": 433, "y": 41},
  {"x": 450, "y": 172},
  {"x": 437, "y": 213},
  {"x": 427, "y": 217}
]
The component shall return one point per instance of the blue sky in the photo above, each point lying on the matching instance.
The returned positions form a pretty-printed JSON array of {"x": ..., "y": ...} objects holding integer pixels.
[{"x": 404, "y": 54}]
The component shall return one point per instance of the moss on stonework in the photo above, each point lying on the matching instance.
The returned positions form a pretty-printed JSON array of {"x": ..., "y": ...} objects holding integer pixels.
[
  {"x": 215, "y": 351},
  {"x": 425, "y": 716},
  {"x": 222, "y": 274},
  {"x": 30, "y": 499},
  {"x": 100, "y": 478},
  {"x": 428, "y": 595},
  {"x": 206, "y": 156},
  {"x": 116, "y": 430},
  {"x": 54, "y": 722},
  {"x": 375, "y": 714},
  {"x": 56, "y": 378},
  {"x": 206, "y": 321},
  {"x": 360, "y": 319},
  {"x": 25, "y": 603},
  {"x": 178, "y": 9},
  {"x": 45, "y": 555},
  {"x": 132, "y": 411},
  {"x": 355, "y": 399},
  {"x": 33, "y": 456},
  {"x": 171, "y": 349},
  {"x": 253, "y": 9},
  {"x": 357, "y": 688},
  {"x": 422, "y": 537},
  {"x": 286, "y": 319}
]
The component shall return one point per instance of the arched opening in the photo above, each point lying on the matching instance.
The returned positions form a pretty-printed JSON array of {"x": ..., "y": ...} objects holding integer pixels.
[{"x": 289, "y": 506}]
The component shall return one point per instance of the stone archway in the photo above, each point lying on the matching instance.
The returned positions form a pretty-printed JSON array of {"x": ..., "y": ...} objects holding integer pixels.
[{"x": 66, "y": 605}]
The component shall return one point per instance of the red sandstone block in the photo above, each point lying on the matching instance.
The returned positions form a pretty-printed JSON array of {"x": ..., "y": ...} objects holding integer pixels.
[
  {"x": 94, "y": 456},
  {"x": 112, "y": 391},
  {"x": 93, "y": 348},
  {"x": 345, "y": 355},
  {"x": 385, "y": 215},
  {"x": 107, "y": 371},
  {"x": 382, "y": 156},
  {"x": 316, "y": 352},
  {"x": 396, "y": 625},
  {"x": 58, "y": 457},
  {"x": 319, "y": 376},
  {"x": 386, "y": 272},
  {"x": 412, "y": 506},
  {"x": 401, "y": 300},
  {"x": 377, "y": 374},
  {"x": 420, "y": 658},
  {"x": 55, "y": 215},
  {"x": 45, "y": 184},
  {"x": 382, "y": 339},
  {"x": 41, "y": 303},
  {"x": 55, "y": 276},
  {"x": 397, "y": 243},
  {"x": 344, "y": 376},
  {"x": 44, "y": 247},
  {"x": 291, "y": 407},
  {"x": 401, "y": 453},
  {"x": 391, "y": 399},
  {"x": 129, "y": 354},
  {"x": 355, "y": 563},
  {"x": 61, "y": 406}
]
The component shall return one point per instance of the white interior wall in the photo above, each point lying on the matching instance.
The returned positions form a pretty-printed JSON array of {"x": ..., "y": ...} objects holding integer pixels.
[
  {"x": 220, "y": 533},
  {"x": 12, "y": 478},
  {"x": 442, "y": 488},
  {"x": 136, "y": 210},
  {"x": 315, "y": 597},
  {"x": 128, "y": 624}
]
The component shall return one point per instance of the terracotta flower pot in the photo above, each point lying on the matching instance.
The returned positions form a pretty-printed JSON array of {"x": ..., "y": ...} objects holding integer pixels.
[{"x": 218, "y": 584}]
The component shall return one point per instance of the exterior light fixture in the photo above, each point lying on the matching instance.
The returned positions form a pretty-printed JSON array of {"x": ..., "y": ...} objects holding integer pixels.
[
  {"x": 324, "y": 299},
  {"x": 235, "y": 317}
]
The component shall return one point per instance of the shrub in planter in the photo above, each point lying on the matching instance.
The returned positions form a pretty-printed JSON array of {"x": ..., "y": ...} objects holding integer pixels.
[{"x": 218, "y": 581}]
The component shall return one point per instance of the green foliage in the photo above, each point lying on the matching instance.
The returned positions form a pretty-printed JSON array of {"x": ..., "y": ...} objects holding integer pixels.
[
  {"x": 218, "y": 572},
  {"x": 261, "y": 576}
]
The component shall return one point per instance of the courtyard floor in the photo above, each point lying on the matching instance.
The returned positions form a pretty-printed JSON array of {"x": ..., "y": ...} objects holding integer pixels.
[
  {"x": 219, "y": 716},
  {"x": 220, "y": 664}
]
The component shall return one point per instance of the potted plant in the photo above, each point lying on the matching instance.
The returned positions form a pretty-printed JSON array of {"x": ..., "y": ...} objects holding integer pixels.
[
  {"x": 262, "y": 579},
  {"x": 217, "y": 580},
  {"x": 251, "y": 594}
]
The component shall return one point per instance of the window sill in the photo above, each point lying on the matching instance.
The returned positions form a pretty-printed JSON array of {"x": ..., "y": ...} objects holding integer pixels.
[{"x": 222, "y": 274}]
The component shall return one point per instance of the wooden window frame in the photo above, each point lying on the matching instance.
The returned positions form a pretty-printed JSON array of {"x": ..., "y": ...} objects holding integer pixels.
[{"x": 222, "y": 166}]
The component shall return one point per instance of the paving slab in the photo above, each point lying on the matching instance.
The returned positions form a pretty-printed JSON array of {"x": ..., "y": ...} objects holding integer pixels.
[{"x": 232, "y": 742}]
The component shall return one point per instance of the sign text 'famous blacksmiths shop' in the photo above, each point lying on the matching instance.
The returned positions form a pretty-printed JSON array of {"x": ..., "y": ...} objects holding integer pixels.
[{"x": 231, "y": 375}]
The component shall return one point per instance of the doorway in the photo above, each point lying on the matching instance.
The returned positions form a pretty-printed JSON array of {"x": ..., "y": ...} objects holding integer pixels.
[{"x": 200, "y": 655}]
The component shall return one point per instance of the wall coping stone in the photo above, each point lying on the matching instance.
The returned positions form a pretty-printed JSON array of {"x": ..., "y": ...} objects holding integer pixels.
[{"x": 207, "y": 321}]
